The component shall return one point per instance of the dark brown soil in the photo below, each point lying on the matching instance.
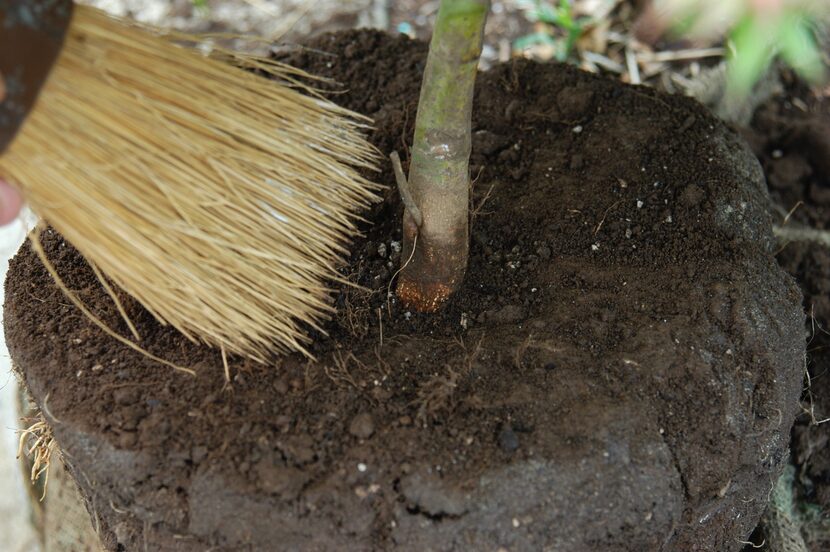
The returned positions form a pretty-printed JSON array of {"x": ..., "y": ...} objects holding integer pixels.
[
  {"x": 791, "y": 137},
  {"x": 619, "y": 372}
]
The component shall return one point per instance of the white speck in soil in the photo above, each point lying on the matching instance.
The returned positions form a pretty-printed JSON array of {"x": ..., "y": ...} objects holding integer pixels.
[
  {"x": 382, "y": 250},
  {"x": 777, "y": 154},
  {"x": 628, "y": 233},
  {"x": 395, "y": 246},
  {"x": 668, "y": 219},
  {"x": 361, "y": 467},
  {"x": 577, "y": 129},
  {"x": 640, "y": 204},
  {"x": 594, "y": 247}
]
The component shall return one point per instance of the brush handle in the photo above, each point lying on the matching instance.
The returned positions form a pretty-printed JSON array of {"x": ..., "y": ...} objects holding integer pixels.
[{"x": 31, "y": 36}]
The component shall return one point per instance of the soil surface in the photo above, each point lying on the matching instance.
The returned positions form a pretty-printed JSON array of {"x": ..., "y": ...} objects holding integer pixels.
[{"x": 619, "y": 371}]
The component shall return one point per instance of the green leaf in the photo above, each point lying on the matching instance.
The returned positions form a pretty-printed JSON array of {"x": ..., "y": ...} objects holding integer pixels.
[
  {"x": 567, "y": 45},
  {"x": 752, "y": 42},
  {"x": 565, "y": 14},
  {"x": 799, "y": 49},
  {"x": 545, "y": 13}
]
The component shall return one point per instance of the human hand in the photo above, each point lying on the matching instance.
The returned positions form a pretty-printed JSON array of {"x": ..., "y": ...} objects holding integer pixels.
[{"x": 10, "y": 202}]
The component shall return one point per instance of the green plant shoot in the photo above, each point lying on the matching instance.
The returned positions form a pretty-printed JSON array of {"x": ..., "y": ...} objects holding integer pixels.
[
  {"x": 437, "y": 195},
  {"x": 557, "y": 17}
]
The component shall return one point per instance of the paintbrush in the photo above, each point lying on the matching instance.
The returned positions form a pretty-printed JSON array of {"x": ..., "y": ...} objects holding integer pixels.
[{"x": 221, "y": 200}]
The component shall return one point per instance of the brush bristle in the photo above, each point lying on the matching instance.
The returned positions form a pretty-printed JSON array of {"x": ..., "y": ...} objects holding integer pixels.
[{"x": 220, "y": 200}]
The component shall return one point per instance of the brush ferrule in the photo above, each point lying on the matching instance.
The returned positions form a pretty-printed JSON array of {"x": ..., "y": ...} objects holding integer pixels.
[{"x": 31, "y": 36}]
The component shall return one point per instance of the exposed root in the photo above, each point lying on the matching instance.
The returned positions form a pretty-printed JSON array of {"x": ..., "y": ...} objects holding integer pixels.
[
  {"x": 340, "y": 372},
  {"x": 38, "y": 444},
  {"x": 356, "y": 312},
  {"x": 802, "y": 234},
  {"x": 437, "y": 396},
  {"x": 477, "y": 210}
]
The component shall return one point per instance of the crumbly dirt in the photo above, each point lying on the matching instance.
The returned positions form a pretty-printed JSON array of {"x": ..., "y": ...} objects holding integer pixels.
[{"x": 619, "y": 371}]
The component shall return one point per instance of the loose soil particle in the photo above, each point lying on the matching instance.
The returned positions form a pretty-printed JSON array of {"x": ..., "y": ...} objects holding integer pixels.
[{"x": 619, "y": 371}]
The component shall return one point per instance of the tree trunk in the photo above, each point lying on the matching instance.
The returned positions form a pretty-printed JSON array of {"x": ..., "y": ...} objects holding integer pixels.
[{"x": 439, "y": 178}]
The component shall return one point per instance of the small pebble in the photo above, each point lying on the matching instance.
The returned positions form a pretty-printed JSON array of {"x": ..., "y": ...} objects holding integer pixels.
[
  {"x": 362, "y": 426},
  {"x": 508, "y": 440}
]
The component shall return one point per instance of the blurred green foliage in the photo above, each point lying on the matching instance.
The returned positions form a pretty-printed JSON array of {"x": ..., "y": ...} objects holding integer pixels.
[
  {"x": 201, "y": 5},
  {"x": 757, "y": 31},
  {"x": 554, "y": 17}
]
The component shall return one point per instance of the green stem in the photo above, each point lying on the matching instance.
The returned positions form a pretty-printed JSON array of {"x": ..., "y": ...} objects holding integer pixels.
[{"x": 439, "y": 177}]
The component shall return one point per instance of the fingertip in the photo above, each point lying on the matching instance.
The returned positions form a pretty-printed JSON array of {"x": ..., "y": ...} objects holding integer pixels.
[{"x": 11, "y": 202}]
